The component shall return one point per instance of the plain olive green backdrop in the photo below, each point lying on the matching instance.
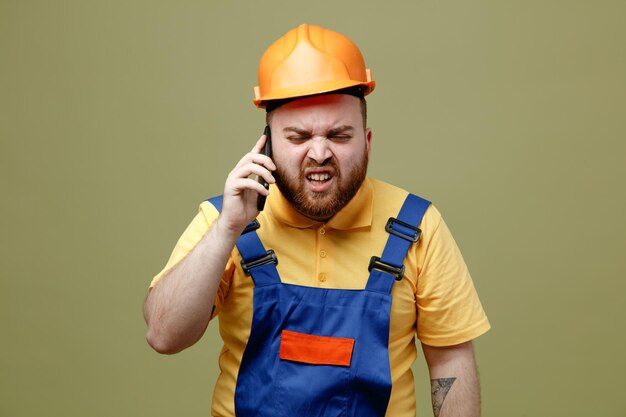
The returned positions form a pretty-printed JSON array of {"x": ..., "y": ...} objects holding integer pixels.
[{"x": 118, "y": 117}]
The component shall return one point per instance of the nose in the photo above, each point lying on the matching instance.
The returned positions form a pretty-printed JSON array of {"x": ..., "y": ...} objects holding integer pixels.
[{"x": 319, "y": 150}]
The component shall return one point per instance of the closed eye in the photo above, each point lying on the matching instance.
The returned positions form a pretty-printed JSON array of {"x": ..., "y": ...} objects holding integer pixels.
[
  {"x": 294, "y": 134},
  {"x": 297, "y": 138},
  {"x": 341, "y": 133}
]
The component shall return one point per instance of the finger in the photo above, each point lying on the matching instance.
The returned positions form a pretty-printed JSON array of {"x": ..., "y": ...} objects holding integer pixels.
[
  {"x": 239, "y": 186},
  {"x": 253, "y": 169},
  {"x": 258, "y": 146},
  {"x": 256, "y": 158}
]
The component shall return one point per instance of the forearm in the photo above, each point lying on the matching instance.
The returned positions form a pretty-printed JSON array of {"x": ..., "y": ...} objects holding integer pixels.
[
  {"x": 455, "y": 388},
  {"x": 178, "y": 308}
]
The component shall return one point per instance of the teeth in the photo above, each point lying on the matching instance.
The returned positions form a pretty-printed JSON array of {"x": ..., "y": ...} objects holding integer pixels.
[{"x": 319, "y": 177}]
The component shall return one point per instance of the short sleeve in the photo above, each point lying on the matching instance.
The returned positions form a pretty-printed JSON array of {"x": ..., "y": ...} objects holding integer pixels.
[
  {"x": 448, "y": 309},
  {"x": 199, "y": 226}
]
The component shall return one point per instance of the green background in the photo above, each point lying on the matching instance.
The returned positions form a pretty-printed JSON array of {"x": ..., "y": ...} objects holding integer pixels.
[{"x": 118, "y": 117}]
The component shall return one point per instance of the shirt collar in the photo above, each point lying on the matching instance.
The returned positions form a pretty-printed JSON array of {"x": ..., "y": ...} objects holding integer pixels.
[{"x": 356, "y": 214}]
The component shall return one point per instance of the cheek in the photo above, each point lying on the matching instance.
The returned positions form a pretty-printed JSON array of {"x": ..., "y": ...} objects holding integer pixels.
[
  {"x": 289, "y": 156},
  {"x": 349, "y": 158},
  {"x": 286, "y": 164}
]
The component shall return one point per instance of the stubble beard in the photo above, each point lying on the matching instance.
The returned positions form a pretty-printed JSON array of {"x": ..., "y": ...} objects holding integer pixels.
[{"x": 322, "y": 206}]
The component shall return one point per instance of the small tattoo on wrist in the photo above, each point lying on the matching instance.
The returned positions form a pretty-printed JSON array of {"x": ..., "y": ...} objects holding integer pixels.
[{"x": 439, "y": 389}]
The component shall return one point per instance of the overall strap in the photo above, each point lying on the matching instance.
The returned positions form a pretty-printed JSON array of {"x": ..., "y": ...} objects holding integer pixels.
[
  {"x": 256, "y": 262},
  {"x": 403, "y": 232}
]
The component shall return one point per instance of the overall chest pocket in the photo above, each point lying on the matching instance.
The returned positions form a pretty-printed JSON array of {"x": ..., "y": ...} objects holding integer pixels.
[{"x": 313, "y": 375}]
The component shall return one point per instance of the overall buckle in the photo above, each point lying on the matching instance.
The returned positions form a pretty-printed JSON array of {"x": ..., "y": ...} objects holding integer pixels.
[
  {"x": 251, "y": 226},
  {"x": 411, "y": 238},
  {"x": 376, "y": 263},
  {"x": 270, "y": 257}
]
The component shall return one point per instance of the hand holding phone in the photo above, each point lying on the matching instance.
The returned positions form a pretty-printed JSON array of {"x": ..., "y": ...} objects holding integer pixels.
[{"x": 267, "y": 150}]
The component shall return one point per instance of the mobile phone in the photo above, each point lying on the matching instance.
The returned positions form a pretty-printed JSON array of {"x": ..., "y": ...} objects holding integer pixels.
[{"x": 267, "y": 150}]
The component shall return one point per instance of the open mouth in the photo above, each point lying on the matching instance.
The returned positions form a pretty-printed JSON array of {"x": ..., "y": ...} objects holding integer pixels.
[
  {"x": 319, "y": 178},
  {"x": 320, "y": 182}
]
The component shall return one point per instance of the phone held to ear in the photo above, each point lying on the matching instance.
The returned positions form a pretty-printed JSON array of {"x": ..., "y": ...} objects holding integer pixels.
[{"x": 267, "y": 150}]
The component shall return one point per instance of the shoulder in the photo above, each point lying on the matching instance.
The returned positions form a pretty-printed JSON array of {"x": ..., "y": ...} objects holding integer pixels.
[
  {"x": 208, "y": 211},
  {"x": 384, "y": 190},
  {"x": 389, "y": 198}
]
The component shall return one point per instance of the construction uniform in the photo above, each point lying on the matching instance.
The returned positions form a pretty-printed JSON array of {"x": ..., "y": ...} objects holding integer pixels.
[{"x": 435, "y": 299}]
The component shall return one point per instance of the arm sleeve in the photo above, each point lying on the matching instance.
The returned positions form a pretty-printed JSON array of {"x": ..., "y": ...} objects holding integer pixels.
[
  {"x": 448, "y": 309},
  {"x": 199, "y": 226}
]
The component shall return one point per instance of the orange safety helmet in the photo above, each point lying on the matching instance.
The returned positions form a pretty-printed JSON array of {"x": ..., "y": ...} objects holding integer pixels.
[{"x": 310, "y": 60}]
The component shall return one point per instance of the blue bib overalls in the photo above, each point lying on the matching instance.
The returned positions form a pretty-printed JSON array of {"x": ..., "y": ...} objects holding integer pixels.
[{"x": 316, "y": 351}]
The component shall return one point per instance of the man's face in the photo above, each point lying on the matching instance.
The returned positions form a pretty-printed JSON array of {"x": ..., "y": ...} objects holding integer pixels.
[{"x": 321, "y": 151}]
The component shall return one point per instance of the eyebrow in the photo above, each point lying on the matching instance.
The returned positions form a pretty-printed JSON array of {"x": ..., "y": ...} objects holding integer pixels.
[
  {"x": 340, "y": 129},
  {"x": 307, "y": 133},
  {"x": 297, "y": 131}
]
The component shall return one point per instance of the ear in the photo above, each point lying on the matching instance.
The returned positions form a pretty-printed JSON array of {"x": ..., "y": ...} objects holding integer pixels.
[{"x": 368, "y": 141}]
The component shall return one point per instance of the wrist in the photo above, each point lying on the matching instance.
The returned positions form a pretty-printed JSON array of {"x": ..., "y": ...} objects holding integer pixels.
[{"x": 227, "y": 230}]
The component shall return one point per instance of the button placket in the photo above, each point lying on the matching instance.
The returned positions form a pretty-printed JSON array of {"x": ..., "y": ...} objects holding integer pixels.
[{"x": 322, "y": 253}]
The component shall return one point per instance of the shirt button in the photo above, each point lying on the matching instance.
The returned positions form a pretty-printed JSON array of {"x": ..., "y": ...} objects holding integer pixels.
[
  {"x": 322, "y": 231},
  {"x": 323, "y": 253},
  {"x": 322, "y": 277}
]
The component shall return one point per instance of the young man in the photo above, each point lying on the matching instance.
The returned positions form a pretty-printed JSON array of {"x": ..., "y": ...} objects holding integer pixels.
[{"x": 320, "y": 300}]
